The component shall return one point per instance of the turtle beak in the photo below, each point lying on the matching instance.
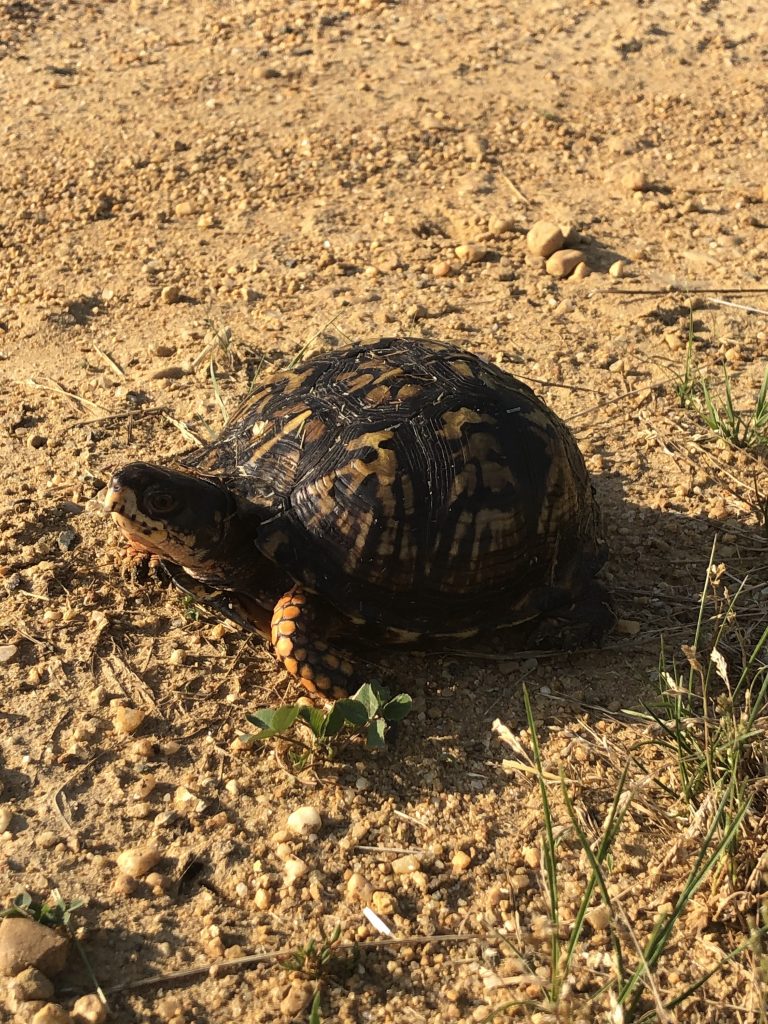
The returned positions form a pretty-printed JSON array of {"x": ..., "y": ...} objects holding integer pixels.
[
  {"x": 120, "y": 500},
  {"x": 113, "y": 497}
]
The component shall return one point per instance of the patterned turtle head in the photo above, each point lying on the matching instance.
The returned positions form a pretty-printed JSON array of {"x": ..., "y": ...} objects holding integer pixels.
[{"x": 184, "y": 518}]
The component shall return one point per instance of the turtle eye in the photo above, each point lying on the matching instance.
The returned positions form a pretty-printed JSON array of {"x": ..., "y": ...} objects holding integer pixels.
[{"x": 160, "y": 503}]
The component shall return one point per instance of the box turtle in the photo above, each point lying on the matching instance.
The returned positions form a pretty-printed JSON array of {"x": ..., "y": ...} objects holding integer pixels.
[{"x": 400, "y": 491}]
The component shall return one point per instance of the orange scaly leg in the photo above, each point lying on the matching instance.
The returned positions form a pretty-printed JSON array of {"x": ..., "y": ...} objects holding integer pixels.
[{"x": 296, "y": 638}]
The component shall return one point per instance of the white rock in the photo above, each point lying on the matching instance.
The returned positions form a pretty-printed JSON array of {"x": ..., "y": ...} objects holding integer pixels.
[
  {"x": 304, "y": 820},
  {"x": 295, "y": 868}
]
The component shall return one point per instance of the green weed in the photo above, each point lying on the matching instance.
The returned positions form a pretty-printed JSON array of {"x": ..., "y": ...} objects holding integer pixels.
[
  {"x": 54, "y": 912},
  {"x": 369, "y": 712},
  {"x": 743, "y": 429}
]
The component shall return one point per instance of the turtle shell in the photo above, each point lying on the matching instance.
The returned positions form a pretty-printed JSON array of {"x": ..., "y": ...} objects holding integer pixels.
[{"x": 414, "y": 487}]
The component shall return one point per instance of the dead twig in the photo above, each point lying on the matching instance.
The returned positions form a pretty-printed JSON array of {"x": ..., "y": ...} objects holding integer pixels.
[
  {"x": 219, "y": 966},
  {"x": 134, "y": 414}
]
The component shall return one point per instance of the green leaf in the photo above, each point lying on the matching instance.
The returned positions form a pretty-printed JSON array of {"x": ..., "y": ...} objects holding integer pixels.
[
  {"x": 335, "y": 719},
  {"x": 354, "y": 711},
  {"x": 275, "y": 719},
  {"x": 314, "y": 1013},
  {"x": 376, "y": 731},
  {"x": 368, "y": 697},
  {"x": 315, "y": 719},
  {"x": 23, "y": 901},
  {"x": 397, "y": 708}
]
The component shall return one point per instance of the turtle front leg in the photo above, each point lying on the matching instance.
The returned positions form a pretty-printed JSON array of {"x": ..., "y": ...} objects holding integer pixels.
[{"x": 297, "y": 641}]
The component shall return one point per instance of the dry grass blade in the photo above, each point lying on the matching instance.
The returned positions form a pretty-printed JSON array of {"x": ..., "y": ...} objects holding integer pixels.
[
  {"x": 184, "y": 430},
  {"x": 109, "y": 361},
  {"x": 56, "y": 388}
]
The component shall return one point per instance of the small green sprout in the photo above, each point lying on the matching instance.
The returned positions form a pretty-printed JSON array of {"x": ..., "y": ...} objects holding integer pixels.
[
  {"x": 370, "y": 711},
  {"x": 54, "y": 913}
]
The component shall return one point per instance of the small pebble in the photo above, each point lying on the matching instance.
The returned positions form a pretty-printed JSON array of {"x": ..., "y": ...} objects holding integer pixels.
[
  {"x": 634, "y": 181},
  {"x": 599, "y": 917},
  {"x": 544, "y": 238},
  {"x": 47, "y": 839},
  {"x": 304, "y": 820},
  {"x": 7, "y": 653},
  {"x": 442, "y": 268},
  {"x": 170, "y": 294},
  {"x": 475, "y": 145},
  {"x": 263, "y": 899},
  {"x": 500, "y": 226},
  {"x": 138, "y": 861},
  {"x": 383, "y": 902},
  {"x": 564, "y": 262},
  {"x": 164, "y": 351},
  {"x": 127, "y": 720},
  {"x": 471, "y": 253},
  {"x": 616, "y": 269},
  {"x": 532, "y": 856},
  {"x": 6, "y": 814},
  {"x": 581, "y": 271},
  {"x": 30, "y": 984},
  {"x": 124, "y": 886},
  {"x": 673, "y": 340},
  {"x": 26, "y": 1011},
  {"x": 294, "y": 868},
  {"x": 460, "y": 861},
  {"x": 67, "y": 539},
  {"x": 359, "y": 887},
  {"x": 627, "y": 627},
  {"x": 297, "y": 998},
  {"x": 404, "y": 865},
  {"x": 89, "y": 1010},
  {"x": 52, "y": 1013}
]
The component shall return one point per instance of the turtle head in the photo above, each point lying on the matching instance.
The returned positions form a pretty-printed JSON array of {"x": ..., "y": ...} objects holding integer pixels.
[{"x": 179, "y": 516}]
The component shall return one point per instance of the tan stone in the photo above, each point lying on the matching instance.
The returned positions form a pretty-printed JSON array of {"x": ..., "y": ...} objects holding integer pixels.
[
  {"x": 544, "y": 238},
  {"x": 564, "y": 262},
  {"x": 25, "y": 943}
]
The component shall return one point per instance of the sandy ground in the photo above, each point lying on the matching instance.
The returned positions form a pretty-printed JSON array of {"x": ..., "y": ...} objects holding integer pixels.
[{"x": 239, "y": 182}]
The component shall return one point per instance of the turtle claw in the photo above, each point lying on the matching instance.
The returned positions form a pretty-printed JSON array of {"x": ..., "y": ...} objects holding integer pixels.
[{"x": 138, "y": 565}]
